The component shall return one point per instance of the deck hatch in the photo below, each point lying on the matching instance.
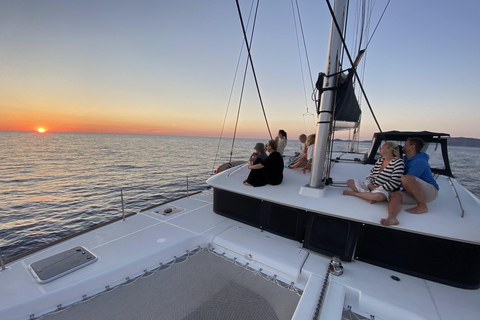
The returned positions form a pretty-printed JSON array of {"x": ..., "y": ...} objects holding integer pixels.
[{"x": 60, "y": 264}]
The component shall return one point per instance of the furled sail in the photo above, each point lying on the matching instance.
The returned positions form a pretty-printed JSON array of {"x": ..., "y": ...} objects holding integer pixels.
[
  {"x": 347, "y": 111},
  {"x": 346, "y": 104}
]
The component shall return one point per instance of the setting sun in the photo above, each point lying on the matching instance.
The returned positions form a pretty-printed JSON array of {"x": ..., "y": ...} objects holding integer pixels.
[{"x": 41, "y": 130}]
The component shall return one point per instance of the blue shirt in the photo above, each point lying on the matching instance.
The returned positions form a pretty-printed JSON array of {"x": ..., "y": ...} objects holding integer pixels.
[{"x": 418, "y": 166}]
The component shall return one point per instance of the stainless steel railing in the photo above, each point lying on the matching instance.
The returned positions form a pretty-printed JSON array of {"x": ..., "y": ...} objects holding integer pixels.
[
  {"x": 457, "y": 196},
  {"x": 2, "y": 264},
  {"x": 123, "y": 206}
]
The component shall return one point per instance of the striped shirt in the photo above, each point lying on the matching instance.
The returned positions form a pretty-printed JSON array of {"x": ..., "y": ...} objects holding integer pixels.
[{"x": 391, "y": 177}]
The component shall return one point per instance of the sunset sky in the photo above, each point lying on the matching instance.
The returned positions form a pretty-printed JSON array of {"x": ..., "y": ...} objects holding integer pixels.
[{"x": 167, "y": 67}]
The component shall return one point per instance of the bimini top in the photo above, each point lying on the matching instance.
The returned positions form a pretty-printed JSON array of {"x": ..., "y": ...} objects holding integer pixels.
[
  {"x": 401, "y": 136},
  {"x": 427, "y": 136}
]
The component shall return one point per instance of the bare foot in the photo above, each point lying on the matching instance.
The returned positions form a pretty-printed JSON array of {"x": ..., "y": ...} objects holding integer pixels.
[
  {"x": 389, "y": 222},
  {"x": 372, "y": 201},
  {"x": 348, "y": 193},
  {"x": 246, "y": 183},
  {"x": 418, "y": 209}
]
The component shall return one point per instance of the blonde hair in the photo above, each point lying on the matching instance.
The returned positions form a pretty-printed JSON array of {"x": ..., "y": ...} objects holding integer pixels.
[
  {"x": 310, "y": 139},
  {"x": 395, "y": 149}
]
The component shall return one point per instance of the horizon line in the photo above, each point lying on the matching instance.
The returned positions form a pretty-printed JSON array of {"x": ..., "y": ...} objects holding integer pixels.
[{"x": 174, "y": 134}]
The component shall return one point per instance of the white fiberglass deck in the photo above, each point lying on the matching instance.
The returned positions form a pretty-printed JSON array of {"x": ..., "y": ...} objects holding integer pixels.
[
  {"x": 443, "y": 219},
  {"x": 126, "y": 249}
]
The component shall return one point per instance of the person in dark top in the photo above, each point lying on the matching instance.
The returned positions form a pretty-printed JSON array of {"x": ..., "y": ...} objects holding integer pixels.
[
  {"x": 259, "y": 155},
  {"x": 268, "y": 172}
]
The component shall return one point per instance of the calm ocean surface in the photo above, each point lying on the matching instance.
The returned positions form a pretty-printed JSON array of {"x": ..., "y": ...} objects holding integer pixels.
[{"x": 56, "y": 184}]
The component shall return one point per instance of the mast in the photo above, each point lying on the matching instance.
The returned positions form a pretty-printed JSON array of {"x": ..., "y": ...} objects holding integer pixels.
[{"x": 324, "y": 119}]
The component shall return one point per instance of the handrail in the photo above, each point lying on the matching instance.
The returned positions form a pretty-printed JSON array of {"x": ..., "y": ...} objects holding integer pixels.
[
  {"x": 70, "y": 236},
  {"x": 458, "y": 197},
  {"x": 1, "y": 261},
  {"x": 102, "y": 224},
  {"x": 123, "y": 207},
  {"x": 238, "y": 168}
]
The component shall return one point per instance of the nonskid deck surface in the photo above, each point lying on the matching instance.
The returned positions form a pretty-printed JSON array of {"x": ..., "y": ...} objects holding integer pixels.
[
  {"x": 443, "y": 219},
  {"x": 126, "y": 249}
]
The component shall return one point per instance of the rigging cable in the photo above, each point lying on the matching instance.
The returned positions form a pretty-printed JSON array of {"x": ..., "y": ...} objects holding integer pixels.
[
  {"x": 304, "y": 44},
  {"x": 351, "y": 62},
  {"x": 243, "y": 82},
  {"x": 359, "y": 32},
  {"x": 307, "y": 60},
  {"x": 253, "y": 68},
  {"x": 381, "y": 17},
  {"x": 299, "y": 54},
  {"x": 230, "y": 96}
]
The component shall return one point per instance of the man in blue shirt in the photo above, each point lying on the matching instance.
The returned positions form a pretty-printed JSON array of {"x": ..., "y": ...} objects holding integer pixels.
[{"x": 418, "y": 183}]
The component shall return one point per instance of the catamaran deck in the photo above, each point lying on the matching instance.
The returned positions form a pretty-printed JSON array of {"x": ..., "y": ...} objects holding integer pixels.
[
  {"x": 126, "y": 249},
  {"x": 444, "y": 219}
]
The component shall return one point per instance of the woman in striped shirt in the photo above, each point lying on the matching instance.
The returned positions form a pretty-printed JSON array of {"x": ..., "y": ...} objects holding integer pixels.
[{"x": 384, "y": 178}]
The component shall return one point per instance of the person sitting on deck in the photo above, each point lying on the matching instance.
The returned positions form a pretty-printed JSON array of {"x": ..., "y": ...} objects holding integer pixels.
[
  {"x": 269, "y": 171},
  {"x": 281, "y": 140},
  {"x": 303, "y": 147},
  {"x": 310, "y": 151},
  {"x": 384, "y": 177},
  {"x": 419, "y": 186},
  {"x": 300, "y": 153},
  {"x": 259, "y": 155},
  {"x": 302, "y": 161}
]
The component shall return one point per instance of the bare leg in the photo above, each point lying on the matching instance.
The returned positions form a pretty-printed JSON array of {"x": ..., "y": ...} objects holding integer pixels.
[
  {"x": 308, "y": 166},
  {"x": 297, "y": 164},
  {"x": 394, "y": 207},
  {"x": 351, "y": 184},
  {"x": 366, "y": 195},
  {"x": 413, "y": 187}
]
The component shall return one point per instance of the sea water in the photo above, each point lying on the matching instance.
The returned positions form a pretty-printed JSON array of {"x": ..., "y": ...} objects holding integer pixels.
[{"x": 56, "y": 184}]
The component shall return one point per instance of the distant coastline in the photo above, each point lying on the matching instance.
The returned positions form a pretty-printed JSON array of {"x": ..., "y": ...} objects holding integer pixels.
[
  {"x": 453, "y": 142},
  {"x": 464, "y": 142}
]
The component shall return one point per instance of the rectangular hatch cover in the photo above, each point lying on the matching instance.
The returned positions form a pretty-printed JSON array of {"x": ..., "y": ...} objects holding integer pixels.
[{"x": 60, "y": 264}]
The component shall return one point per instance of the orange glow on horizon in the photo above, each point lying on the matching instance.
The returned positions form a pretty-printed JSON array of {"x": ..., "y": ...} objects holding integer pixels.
[{"x": 41, "y": 130}]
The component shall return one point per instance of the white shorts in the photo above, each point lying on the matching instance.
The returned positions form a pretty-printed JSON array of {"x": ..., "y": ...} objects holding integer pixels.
[{"x": 362, "y": 186}]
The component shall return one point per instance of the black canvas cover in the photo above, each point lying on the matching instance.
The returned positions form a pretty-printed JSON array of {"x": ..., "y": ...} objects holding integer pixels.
[{"x": 347, "y": 108}]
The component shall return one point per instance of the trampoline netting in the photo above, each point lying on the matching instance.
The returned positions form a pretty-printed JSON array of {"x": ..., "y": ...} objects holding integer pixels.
[{"x": 204, "y": 286}]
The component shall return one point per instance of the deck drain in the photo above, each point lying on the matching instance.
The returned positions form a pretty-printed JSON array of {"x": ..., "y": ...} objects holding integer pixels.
[{"x": 169, "y": 210}]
